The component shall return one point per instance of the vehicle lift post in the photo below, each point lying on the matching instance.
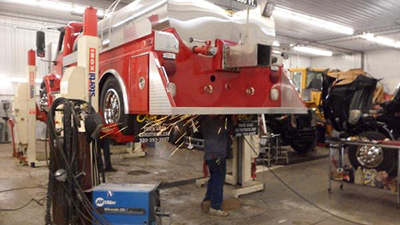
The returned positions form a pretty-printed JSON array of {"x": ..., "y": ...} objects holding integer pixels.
[
  {"x": 31, "y": 117},
  {"x": 81, "y": 81},
  {"x": 134, "y": 150}
]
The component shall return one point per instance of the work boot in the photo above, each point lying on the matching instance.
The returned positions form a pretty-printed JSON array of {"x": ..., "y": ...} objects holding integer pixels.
[
  {"x": 215, "y": 212},
  {"x": 205, "y": 206},
  {"x": 111, "y": 169}
]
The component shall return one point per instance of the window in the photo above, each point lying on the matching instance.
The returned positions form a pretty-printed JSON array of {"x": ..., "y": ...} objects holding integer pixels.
[
  {"x": 314, "y": 80},
  {"x": 297, "y": 80},
  {"x": 60, "y": 47}
]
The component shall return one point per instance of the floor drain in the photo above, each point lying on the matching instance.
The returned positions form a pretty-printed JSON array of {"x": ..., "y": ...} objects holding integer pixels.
[{"x": 137, "y": 172}]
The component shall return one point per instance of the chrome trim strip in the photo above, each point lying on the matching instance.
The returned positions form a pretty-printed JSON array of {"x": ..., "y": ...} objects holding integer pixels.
[
  {"x": 142, "y": 54},
  {"x": 227, "y": 110},
  {"x": 158, "y": 95},
  {"x": 121, "y": 84},
  {"x": 70, "y": 59},
  {"x": 237, "y": 110}
]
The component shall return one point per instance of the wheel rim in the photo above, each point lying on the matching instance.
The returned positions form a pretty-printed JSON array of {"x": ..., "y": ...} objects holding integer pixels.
[
  {"x": 369, "y": 156},
  {"x": 112, "y": 107},
  {"x": 44, "y": 102}
]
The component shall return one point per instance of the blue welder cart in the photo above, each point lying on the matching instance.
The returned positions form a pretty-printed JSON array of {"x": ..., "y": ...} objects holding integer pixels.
[{"x": 127, "y": 204}]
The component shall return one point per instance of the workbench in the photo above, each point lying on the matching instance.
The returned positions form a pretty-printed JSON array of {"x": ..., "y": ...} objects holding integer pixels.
[{"x": 341, "y": 144}]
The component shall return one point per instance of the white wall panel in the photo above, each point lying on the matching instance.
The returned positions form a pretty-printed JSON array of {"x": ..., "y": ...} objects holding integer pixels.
[
  {"x": 384, "y": 64},
  {"x": 341, "y": 62},
  {"x": 17, "y": 36},
  {"x": 296, "y": 61}
]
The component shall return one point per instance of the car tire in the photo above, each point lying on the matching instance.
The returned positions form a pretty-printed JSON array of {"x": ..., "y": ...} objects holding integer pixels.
[
  {"x": 389, "y": 162},
  {"x": 305, "y": 147}
]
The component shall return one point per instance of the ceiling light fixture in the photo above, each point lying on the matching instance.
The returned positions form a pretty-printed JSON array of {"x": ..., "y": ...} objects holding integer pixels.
[
  {"x": 284, "y": 13},
  {"x": 381, "y": 40},
  {"x": 57, "y": 6},
  {"x": 313, "y": 51},
  {"x": 276, "y": 44}
]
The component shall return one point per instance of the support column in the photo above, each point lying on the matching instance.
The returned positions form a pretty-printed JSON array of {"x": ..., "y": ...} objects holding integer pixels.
[
  {"x": 247, "y": 183},
  {"x": 31, "y": 119},
  {"x": 88, "y": 57}
]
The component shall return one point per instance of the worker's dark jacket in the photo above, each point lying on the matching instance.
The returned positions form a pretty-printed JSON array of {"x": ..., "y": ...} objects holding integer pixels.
[{"x": 217, "y": 142}]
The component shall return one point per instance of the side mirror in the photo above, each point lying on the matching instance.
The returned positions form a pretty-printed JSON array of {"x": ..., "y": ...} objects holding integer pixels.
[
  {"x": 40, "y": 44},
  {"x": 268, "y": 10}
]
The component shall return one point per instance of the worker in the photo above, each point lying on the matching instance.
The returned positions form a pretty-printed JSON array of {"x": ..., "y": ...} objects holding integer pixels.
[
  {"x": 105, "y": 145},
  {"x": 216, "y": 132}
]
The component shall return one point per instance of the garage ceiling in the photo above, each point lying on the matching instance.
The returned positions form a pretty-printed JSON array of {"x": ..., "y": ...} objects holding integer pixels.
[{"x": 380, "y": 17}]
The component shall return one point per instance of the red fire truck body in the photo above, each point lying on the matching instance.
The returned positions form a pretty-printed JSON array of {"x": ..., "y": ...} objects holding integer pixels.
[{"x": 157, "y": 69}]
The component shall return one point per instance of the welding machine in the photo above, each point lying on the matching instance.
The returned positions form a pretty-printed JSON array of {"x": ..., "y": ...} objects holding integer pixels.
[{"x": 126, "y": 204}]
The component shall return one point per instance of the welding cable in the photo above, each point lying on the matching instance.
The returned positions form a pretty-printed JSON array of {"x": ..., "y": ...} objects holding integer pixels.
[
  {"x": 84, "y": 216},
  {"x": 87, "y": 205},
  {"x": 45, "y": 146},
  {"x": 62, "y": 149},
  {"x": 21, "y": 188},
  {"x": 19, "y": 208},
  {"x": 73, "y": 183},
  {"x": 298, "y": 194},
  {"x": 38, "y": 201},
  {"x": 84, "y": 200}
]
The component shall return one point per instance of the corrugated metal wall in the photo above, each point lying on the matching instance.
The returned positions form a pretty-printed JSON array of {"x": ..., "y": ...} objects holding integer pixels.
[
  {"x": 296, "y": 61},
  {"x": 384, "y": 64},
  {"x": 17, "y": 36},
  {"x": 341, "y": 62}
]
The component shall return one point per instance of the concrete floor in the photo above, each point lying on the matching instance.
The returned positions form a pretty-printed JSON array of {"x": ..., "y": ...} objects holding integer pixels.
[{"x": 276, "y": 205}]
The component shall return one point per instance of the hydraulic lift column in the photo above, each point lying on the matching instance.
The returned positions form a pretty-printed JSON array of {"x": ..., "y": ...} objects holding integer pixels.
[
  {"x": 80, "y": 82},
  {"x": 88, "y": 56},
  {"x": 242, "y": 163},
  {"x": 31, "y": 110}
]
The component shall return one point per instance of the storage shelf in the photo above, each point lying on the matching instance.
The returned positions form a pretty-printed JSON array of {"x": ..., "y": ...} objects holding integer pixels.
[{"x": 343, "y": 183}]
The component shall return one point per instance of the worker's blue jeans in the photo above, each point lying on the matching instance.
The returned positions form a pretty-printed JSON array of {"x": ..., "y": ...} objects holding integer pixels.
[
  {"x": 215, "y": 187},
  {"x": 107, "y": 154}
]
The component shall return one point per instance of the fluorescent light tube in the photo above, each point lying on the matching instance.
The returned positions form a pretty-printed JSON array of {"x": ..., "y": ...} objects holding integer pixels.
[
  {"x": 313, "y": 51},
  {"x": 276, "y": 44},
  {"x": 54, "y": 5},
  {"x": 284, "y": 13},
  {"x": 381, "y": 40}
]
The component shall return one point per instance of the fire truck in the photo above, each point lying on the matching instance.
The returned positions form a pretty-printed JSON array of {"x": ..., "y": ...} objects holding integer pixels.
[{"x": 174, "y": 57}]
